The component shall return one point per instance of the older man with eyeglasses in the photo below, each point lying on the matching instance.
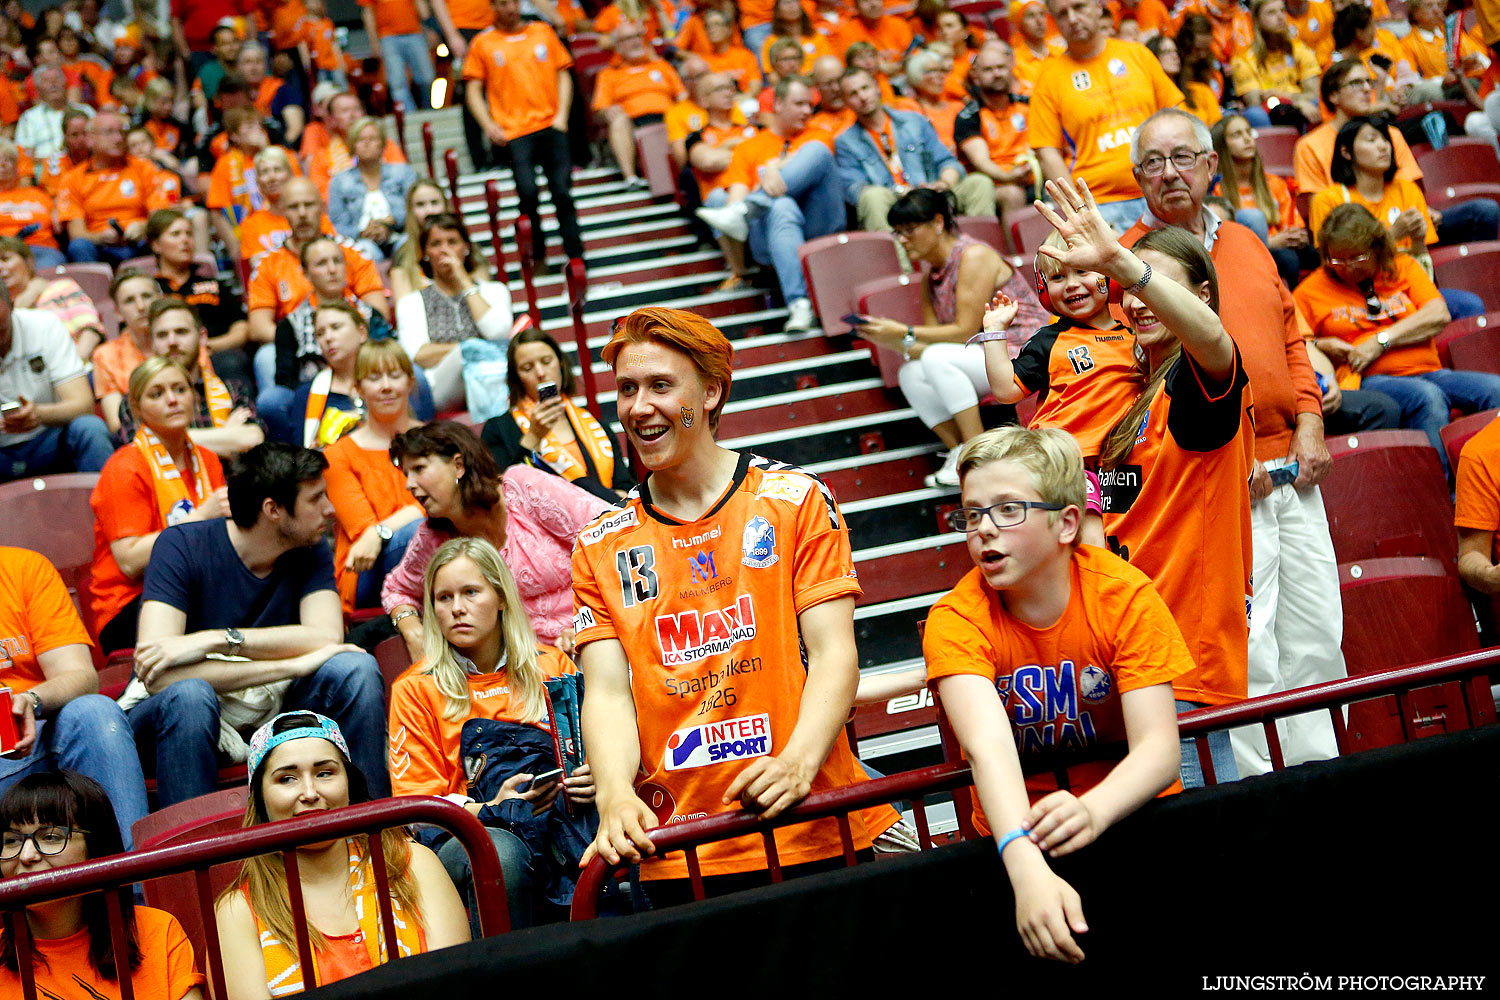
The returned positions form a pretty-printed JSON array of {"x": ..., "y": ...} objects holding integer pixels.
[{"x": 1296, "y": 614}]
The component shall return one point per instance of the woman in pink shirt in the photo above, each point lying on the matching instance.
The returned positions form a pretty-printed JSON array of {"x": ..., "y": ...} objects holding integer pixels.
[{"x": 532, "y": 517}]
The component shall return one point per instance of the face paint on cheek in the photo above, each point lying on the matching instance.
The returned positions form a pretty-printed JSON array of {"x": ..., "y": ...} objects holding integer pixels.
[{"x": 687, "y": 416}]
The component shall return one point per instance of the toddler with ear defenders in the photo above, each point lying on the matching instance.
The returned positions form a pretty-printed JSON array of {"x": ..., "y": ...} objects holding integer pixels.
[{"x": 1082, "y": 367}]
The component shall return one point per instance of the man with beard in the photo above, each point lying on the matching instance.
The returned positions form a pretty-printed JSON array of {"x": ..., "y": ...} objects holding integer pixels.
[
  {"x": 888, "y": 153},
  {"x": 992, "y": 129},
  {"x": 247, "y": 605},
  {"x": 223, "y": 418},
  {"x": 1089, "y": 100}
]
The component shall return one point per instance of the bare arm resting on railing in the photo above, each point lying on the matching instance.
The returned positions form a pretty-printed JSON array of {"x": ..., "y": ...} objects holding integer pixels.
[{"x": 614, "y": 754}]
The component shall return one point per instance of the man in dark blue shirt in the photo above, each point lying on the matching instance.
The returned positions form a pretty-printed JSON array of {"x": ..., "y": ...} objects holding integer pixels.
[{"x": 248, "y": 605}]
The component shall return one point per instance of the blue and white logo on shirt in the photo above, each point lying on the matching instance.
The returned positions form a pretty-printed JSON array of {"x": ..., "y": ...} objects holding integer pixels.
[{"x": 758, "y": 546}]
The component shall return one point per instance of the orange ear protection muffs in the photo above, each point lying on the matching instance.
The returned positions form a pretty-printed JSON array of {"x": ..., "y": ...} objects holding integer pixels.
[{"x": 1112, "y": 291}]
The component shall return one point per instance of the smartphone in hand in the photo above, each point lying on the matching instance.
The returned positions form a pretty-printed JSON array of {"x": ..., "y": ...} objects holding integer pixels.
[
  {"x": 544, "y": 780},
  {"x": 546, "y": 391}
]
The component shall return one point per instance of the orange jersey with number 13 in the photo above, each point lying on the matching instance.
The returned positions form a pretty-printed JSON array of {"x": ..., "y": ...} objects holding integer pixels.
[{"x": 707, "y": 613}]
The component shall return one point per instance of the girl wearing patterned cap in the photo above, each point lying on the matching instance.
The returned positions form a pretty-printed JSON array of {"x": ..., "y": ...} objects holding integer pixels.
[{"x": 299, "y": 763}]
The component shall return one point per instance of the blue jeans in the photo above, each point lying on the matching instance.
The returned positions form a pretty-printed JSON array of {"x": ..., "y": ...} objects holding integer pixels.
[
  {"x": 367, "y": 591},
  {"x": 84, "y": 251},
  {"x": 1121, "y": 215},
  {"x": 813, "y": 206},
  {"x": 401, "y": 53},
  {"x": 177, "y": 729},
  {"x": 1470, "y": 222},
  {"x": 89, "y": 735},
  {"x": 264, "y": 363},
  {"x": 1427, "y": 399},
  {"x": 1257, "y": 117},
  {"x": 755, "y": 38},
  {"x": 1462, "y": 304},
  {"x": 1220, "y": 751},
  {"x": 1254, "y": 220},
  {"x": 516, "y": 866},
  {"x": 45, "y": 257},
  {"x": 84, "y": 445}
]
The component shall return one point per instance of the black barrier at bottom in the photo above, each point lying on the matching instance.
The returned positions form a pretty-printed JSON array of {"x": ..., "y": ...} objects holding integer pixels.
[{"x": 1374, "y": 865}]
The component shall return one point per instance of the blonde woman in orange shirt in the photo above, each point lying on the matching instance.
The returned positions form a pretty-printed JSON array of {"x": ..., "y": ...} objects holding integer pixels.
[{"x": 375, "y": 513}]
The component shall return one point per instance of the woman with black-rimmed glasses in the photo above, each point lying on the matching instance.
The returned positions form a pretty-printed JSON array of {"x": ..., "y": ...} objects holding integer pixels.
[{"x": 60, "y": 818}]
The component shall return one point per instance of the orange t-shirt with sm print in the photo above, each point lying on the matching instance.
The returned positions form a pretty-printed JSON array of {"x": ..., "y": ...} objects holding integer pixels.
[
  {"x": 1397, "y": 196},
  {"x": 716, "y": 136},
  {"x": 519, "y": 72},
  {"x": 394, "y": 17},
  {"x": 1178, "y": 509},
  {"x": 36, "y": 617},
  {"x": 1061, "y": 686},
  {"x": 424, "y": 743},
  {"x": 1094, "y": 106},
  {"x": 707, "y": 611},
  {"x": 29, "y": 206}
]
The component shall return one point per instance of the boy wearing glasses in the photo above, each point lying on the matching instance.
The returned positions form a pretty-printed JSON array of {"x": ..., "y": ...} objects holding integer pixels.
[{"x": 1049, "y": 645}]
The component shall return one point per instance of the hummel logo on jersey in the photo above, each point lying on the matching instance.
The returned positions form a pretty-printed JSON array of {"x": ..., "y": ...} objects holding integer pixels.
[
  {"x": 686, "y": 637},
  {"x": 717, "y": 742}
]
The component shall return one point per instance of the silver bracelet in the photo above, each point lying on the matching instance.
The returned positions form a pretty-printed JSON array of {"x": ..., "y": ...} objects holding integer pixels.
[
  {"x": 1145, "y": 280},
  {"x": 474, "y": 290}
]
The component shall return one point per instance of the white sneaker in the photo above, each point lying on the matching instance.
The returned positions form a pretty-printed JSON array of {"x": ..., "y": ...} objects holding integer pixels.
[
  {"x": 800, "y": 315},
  {"x": 731, "y": 220},
  {"x": 948, "y": 474}
]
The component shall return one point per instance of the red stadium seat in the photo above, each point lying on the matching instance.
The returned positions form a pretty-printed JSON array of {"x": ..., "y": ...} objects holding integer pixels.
[
  {"x": 984, "y": 228},
  {"x": 897, "y": 297},
  {"x": 1462, "y": 161},
  {"x": 1277, "y": 144},
  {"x": 1027, "y": 231},
  {"x": 1398, "y": 612},
  {"x": 1441, "y": 196},
  {"x": 51, "y": 515},
  {"x": 834, "y": 264},
  {"x": 393, "y": 659},
  {"x": 1444, "y": 255},
  {"x": 220, "y": 812},
  {"x": 93, "y": 278},
  {"x": 1458, "y": 433},
  {"x": 1461, "y": 328},
  {"x": 651, "y": 152},
  {"x": 1473, "y": 268},
  {"x": 1387, "y": 496},
  {"x": 1476, "y": 351}
]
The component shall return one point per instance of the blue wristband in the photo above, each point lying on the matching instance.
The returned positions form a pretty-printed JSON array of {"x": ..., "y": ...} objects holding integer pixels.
[{"x": 1015, "y": 834}]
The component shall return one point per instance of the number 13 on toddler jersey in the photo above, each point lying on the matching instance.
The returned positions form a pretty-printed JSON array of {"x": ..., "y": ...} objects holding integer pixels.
[{"x": 707, "y": 614}]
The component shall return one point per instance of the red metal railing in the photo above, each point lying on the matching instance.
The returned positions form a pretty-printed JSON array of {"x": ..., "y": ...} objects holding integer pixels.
[
  {"x": 1472, "y": 669},
  {"x": 427, "y": 150},
  {"x": 492, "y": 210},
  {"x": 114, "y": 876},
  {"x": 400, "y": 114},
  {"x": 450, "y": 164},
  {"x": 522, "y": 229},
  {"x": 577, "y": 298}
]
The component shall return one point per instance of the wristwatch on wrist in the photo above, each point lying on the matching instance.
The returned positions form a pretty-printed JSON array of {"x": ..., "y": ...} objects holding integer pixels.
[
  {"x": 235, "y": 640},
  {"x": 36, "y": 704},
  {"x": 908, "y": 342},
  {"x": 1383, "y": 339},
  {"x": 383, "y": 532}
]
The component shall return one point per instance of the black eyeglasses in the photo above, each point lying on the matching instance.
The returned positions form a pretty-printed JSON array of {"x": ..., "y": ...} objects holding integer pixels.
[
  {"x": 1005, "y": 514},
  {"x": 47, "y": 840},
  {"x": 1154, "y": 164}
]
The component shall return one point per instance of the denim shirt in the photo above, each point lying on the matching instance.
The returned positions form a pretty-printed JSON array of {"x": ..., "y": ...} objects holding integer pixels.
[
  {"x": 923, "y": 155},
  {"x": 346, "y": 196}
]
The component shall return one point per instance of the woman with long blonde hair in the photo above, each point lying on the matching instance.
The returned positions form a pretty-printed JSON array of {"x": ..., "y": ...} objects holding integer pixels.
[
  {"x": 482, "y": 661},
  {"x": 299, "y": 763}
]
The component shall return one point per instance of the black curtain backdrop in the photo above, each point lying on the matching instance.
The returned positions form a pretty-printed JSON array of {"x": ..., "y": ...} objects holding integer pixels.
[{"x": 1376, "y": 865}]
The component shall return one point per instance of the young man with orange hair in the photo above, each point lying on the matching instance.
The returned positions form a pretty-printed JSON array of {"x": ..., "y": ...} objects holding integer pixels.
[{"x": 700, "y": 699}]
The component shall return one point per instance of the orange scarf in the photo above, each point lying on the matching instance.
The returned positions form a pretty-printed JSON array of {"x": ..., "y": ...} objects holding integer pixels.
[
  {"x": 173, "y": 501},
  {"x": 885, "y": 141},
  {"x": 321, "y": 426},
  {"x": 589, "y": 436},
  {"x": 284, "y": 973},
  {"x": 220, "y": 402}
]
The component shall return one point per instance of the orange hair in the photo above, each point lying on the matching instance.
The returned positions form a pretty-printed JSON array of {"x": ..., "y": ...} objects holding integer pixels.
[{"x": 704, "y": 344}]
